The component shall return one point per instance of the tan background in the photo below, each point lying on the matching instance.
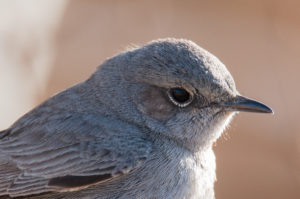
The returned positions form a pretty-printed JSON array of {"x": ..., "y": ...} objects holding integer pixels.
[{"x": 46, "y": 46}]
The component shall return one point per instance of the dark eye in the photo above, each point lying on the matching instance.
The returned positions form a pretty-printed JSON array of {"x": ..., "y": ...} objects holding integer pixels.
[{"x": 180, "y": 97}]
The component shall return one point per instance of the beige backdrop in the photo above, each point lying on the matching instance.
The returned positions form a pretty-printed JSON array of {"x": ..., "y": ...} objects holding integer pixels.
[{"x": 46, "y": 46}]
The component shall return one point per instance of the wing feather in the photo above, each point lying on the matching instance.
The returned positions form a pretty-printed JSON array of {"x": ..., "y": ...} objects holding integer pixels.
[{"x": 57, "y": 158}]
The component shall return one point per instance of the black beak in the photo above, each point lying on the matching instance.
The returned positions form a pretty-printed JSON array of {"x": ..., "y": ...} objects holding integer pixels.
[{"x": 241, "y": 103}]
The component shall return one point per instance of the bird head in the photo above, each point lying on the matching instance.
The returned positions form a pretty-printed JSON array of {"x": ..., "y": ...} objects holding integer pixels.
[{"x": 177, "y": 90}]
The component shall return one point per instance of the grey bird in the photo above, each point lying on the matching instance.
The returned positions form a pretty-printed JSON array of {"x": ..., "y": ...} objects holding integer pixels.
[{"x": 142, "y": 126}]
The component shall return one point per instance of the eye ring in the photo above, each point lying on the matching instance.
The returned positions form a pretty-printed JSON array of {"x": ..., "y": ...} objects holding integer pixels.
[{"x": 180, "y": 97}]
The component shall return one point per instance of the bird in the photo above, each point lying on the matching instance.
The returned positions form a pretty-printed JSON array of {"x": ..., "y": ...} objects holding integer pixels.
[{"x": 141, "y": 126}]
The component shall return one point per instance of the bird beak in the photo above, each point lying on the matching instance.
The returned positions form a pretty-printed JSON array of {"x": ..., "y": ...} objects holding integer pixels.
[{"x": 240, "y": 103}]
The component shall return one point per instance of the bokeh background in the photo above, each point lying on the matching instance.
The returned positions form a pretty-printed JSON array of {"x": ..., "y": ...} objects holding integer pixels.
[{"x": 49, "y": 45}]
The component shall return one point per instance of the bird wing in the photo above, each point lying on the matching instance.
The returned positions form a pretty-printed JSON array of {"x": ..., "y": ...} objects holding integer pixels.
[{"x": 69, "y": 152}]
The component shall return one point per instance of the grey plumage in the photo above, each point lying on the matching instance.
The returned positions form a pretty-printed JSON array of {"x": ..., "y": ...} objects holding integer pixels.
[{"x": 120, "y": 134}]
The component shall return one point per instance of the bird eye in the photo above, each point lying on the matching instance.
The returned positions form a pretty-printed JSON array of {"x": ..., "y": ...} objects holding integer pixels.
[{"x": 180, "y": 97}]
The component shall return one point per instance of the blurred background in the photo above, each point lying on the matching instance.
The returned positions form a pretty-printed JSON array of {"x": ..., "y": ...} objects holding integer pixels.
[{"x": 49, "y": 45}]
